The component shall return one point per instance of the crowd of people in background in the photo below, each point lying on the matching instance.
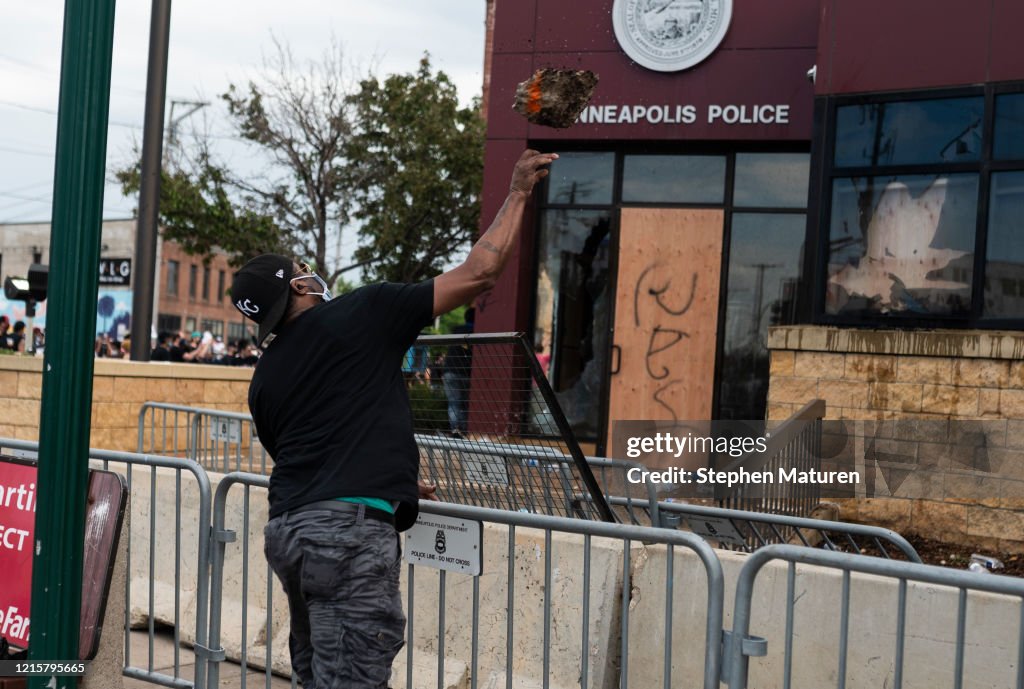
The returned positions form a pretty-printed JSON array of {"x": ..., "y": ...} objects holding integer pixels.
[
  {"x": 196, "y": 347},
  {"x": 204, "y": 348},
  {"x": 107, "y": 348},
  {"x": 14, "y": 338}
]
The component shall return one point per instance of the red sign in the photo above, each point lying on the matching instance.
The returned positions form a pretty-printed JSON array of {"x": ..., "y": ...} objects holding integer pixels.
[{"x": 17, "y": 524}]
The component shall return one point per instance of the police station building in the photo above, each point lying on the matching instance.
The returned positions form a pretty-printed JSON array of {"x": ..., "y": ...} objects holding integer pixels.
[{"x": 848, "y": 174}]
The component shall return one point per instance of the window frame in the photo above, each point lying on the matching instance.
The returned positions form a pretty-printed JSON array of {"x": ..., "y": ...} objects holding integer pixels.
[
  {"x": 824, "y": 172},
  {"x": 729, "y": 150},
  {"x": 212, "y": 325},
  {"x": 168, "y": 322},
  {"x": 236, "y": 331},
  {"x": 173, "y": 277}
]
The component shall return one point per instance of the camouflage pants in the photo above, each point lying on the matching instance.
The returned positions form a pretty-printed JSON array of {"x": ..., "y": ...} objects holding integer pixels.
[{"x": 340, "y": 573}]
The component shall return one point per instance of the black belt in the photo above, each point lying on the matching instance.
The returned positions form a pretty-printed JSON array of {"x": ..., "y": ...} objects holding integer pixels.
[{"x": 348, "y": 507}]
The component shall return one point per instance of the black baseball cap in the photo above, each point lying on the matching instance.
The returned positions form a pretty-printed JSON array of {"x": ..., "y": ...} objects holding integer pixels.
[{"x": 260, "y": 291}]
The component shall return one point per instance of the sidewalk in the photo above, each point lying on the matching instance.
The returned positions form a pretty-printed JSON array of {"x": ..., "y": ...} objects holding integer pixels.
[{"x": 163, "y": 662}]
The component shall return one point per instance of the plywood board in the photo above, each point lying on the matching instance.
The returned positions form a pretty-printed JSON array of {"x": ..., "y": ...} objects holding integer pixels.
[{"x": 666, "y": 314}]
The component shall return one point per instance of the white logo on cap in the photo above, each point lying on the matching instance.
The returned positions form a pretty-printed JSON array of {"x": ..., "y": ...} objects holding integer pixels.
[
  {"x": 247, "y": 307},
  {"x": 279, "y": 273}
]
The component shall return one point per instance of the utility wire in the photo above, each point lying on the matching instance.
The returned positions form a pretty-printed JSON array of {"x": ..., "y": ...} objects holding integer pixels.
[
  {"x": 116, "y": 123},
  {"x": 26, "y": 152}
]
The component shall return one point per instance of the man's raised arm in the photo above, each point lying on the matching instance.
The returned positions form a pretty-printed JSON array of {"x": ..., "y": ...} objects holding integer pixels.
[{"x": 487, "y": 259}]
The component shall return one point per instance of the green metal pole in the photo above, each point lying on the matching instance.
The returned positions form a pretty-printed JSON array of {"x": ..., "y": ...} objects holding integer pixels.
[{"x": 70, "y": 332}]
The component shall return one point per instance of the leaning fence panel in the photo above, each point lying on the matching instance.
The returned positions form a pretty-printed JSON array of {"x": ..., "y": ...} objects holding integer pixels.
[
  {"x": 835, "y": 619},
  {"x": 529, "y": 478},
  {"x": 795, "y": 444},
  {"x": 554, "y": 606},
  {"x": 168, "y": 545},
  {"x": 532, "y": 478},
  {"x": 492, "y": 389}
]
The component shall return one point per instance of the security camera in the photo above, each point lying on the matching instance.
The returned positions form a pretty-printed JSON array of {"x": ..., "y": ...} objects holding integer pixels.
[{"x": 812, "y": 74}]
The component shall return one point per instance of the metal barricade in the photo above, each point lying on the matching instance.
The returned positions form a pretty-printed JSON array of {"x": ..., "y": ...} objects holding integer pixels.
[
  {"x": 218, "y": 440},
  {"x": 157, "y": 556},
  {"x": 536, "y": 478},
  {"x": 523, "y": 546},
  {"x": 739, "y": 645},
  {"x": 226, "y": 441},
  {"x": 165, "y": 429},
  {"x": 528, "y": 478},
  {"x": 747, "y": 531},
  {"x": 624, "y": 496}
]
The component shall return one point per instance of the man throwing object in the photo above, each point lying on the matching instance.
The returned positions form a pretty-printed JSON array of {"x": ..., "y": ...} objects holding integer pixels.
[{"x": 330, "y": 406}]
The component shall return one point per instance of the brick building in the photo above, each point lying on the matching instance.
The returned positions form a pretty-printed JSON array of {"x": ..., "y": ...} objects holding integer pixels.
[
  {"x": 771, "y": 202},
  {"x": 193, "y": 294},
  {"x": 746, "y": 164}
]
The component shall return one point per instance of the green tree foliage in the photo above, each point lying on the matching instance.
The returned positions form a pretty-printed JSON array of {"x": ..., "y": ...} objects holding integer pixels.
[
  {"x": 447, "y": 322},
  {"x": 419, "y": 202},
  {"x": 198, "y": 212},
  {"x": 399, "y": 159}
]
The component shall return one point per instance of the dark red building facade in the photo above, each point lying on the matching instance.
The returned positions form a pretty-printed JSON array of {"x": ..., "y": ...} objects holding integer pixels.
[{"x": 746, "y": 163}]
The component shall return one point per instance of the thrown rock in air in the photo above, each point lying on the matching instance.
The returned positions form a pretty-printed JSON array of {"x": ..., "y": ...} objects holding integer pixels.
[{"x": 555, "y": 97}]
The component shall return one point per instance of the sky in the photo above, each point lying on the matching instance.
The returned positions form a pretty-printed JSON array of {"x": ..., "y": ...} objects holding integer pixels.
[{"x": 212, "y": 44}]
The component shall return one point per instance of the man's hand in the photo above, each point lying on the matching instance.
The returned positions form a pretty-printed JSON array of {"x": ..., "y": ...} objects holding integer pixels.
[
  {"x": 427, "y": 491},
  {"x": 529, "y": 170},
  {"x": 480, "y": 271}
]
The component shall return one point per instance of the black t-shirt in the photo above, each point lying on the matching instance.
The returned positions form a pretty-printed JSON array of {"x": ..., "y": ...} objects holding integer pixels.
[
  {"x": 330, "y": 404},
  {"x": 177, "y": 352}
]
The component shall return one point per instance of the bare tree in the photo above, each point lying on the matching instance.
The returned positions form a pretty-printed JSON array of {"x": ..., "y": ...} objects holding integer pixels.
[
  {"x": 331, "y": 150},
  {"x": 301, "y": 118}
]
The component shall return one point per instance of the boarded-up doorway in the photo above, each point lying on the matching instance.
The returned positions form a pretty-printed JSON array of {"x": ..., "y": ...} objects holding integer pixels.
[{"x": 666, "y": 314}]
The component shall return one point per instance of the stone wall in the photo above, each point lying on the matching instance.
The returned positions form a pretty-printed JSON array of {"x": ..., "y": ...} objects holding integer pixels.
[
  {"x": 119, "y": 389},
  {"x": 949, "y": 385}
]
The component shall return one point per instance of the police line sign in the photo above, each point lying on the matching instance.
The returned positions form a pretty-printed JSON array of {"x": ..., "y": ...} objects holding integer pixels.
[{"x": 447, "y": 543}]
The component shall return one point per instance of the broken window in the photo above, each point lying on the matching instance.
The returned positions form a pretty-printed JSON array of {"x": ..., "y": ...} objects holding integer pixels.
[
  {"x": 921, "y": 203},
  {"x": 902, "y": 244}
]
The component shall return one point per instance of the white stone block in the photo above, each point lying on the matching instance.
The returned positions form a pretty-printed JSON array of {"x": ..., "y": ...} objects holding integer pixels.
[{"x": 565, "y": 646}]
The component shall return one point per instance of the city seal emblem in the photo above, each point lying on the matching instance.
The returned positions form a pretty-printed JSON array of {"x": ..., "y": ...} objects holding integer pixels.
[{"x": 670, "y": 35}]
